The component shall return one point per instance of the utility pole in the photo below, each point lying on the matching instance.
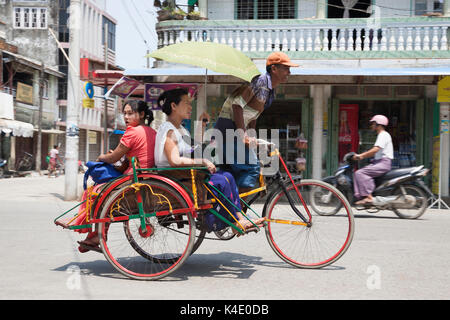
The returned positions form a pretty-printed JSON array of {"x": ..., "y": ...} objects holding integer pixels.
[
  {"x": 73, "y": 103},
  {"x": 105, "y": 141},
  {"x": 39, "y": 137}
]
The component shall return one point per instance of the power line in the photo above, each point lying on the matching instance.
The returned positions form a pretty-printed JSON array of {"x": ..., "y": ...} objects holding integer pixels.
[
  {"x": 145, "y": 24},
  {"x": 124, "y": 3}
]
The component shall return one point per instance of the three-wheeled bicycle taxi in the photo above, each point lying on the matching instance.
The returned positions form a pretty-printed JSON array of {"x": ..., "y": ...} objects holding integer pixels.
[{"x": 151, "y": 221}]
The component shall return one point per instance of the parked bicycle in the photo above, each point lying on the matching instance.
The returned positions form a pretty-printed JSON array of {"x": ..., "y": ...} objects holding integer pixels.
[{"x": 26, "y": 163}]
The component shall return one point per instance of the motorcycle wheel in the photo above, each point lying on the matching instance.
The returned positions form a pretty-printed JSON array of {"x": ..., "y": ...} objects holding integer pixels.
[
  {"x": 323, "y": 202},
  {"x": 421, "y": 202}
]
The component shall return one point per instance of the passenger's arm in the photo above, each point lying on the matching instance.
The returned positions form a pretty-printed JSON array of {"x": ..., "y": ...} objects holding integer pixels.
[
  {"x": 175, "y": 160},
  {"x": 114, "y": 156}
]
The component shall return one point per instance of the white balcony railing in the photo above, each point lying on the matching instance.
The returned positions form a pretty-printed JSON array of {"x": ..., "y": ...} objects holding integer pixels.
[{"x": 401, "y": 34}]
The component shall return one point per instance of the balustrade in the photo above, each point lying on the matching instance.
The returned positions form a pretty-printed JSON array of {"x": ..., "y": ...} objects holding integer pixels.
[{"x": 321, "y": 37}]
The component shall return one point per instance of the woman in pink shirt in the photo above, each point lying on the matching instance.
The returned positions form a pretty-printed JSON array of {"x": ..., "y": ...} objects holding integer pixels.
[{"x": 138, "y": 141}]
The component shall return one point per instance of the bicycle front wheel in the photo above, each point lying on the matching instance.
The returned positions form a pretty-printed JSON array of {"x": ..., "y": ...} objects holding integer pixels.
[{"x": 316, "y": 243}]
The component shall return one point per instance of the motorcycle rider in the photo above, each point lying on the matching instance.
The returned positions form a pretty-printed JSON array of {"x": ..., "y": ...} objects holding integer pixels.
[{"x": 383, "y": 152}]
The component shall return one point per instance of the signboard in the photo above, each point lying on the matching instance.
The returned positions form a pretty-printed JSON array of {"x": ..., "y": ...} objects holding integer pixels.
[
  {"x": 24, "y": 93},
  {"x": 92, "y": 137},
  {"x": 88, "y": 102},
  {"x": 154, "y": 90},
  {"x": 123, "y": 88},
  {"x": 444, "y": 90},
  {"x": 348, "y": 129}
]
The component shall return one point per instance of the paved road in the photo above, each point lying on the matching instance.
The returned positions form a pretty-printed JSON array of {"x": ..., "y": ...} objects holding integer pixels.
[{"x": 389, "y": 258}]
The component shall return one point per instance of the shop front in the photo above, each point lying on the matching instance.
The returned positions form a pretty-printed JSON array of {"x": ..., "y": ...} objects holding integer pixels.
[
  {"x": 289, "y": 115},
  {"x": 410, "y": 121}
]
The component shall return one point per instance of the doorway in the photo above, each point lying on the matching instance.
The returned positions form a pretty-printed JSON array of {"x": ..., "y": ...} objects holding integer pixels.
[{"x": 359, "y": 10}]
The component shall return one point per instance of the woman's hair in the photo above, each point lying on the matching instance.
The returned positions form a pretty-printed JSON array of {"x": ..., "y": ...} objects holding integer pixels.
[
  {"x": 167, "y": 97},
  {"x": 140, "y": 106}
]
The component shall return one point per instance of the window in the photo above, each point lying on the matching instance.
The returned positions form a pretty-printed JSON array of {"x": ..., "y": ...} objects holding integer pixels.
[
  {"x": 421, "y": 7},
  {"x": 425, "y": 7},
  {"x": 30, "y": 18},
  {"x": 63, "y": 28},
  {"x": 266, "y": 9},
  {"x": 111, "y": 33}
]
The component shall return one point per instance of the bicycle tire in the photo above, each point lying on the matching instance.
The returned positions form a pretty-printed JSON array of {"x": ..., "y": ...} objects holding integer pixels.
[
  {"x": 156, "y": 252},
  {"x": 315, "y": 246}
]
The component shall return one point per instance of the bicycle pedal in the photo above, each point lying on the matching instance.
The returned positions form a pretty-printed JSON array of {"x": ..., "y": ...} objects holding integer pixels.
[{"x": 251, "y": 229}]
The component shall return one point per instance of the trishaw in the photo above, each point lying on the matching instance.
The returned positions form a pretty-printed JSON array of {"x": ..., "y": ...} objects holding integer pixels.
[{"x": 151, "y": 221}]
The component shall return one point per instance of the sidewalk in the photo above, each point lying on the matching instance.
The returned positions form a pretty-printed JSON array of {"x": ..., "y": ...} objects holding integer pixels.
[
  {"x": 42, "y": 187},
  {"x": 35, "y": 186}
]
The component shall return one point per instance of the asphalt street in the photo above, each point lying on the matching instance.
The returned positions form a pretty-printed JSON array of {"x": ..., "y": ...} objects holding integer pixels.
[{"x": 389, "y": 258}]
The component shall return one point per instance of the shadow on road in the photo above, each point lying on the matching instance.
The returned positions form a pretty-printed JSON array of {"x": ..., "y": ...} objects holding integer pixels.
[{"x": 226, "y": 265}]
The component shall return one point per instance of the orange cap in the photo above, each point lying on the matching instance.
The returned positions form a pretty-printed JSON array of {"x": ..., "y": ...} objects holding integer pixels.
[{"x": 280, "y": 58}]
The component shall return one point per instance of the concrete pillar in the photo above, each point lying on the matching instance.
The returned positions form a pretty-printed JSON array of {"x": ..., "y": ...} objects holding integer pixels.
[
  {"x": 203, "y": 8},
  {"x": 317, "y": 92},
  {"x": 445, "y": 148},
  {"x": 321, "y": 9}
]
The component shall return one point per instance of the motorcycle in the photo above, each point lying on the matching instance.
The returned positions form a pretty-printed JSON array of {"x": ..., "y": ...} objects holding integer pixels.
[
  {"x": 2, "y": 167},
  {"x": 400, "y": 190}
]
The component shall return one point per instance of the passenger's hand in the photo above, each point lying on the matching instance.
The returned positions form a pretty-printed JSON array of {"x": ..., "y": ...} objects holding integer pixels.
[
  {"x": 357, "y": 157},
  {"x": 209, "y": 165},
  {"x": 251, "y": 141}
]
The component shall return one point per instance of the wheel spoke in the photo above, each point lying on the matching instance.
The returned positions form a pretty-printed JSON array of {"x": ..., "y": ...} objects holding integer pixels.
[
  {"x": 309, "y": 245},
  {"x": 157, "y": 250}
]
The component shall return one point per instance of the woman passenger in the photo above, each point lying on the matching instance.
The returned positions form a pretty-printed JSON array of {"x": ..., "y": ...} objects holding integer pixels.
[
  {"x": 172, "y": 150},
  {"x": 138, "y": 141}
]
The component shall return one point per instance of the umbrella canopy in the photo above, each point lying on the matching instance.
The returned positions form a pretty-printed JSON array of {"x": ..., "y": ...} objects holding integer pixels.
[{"x": 213, "y": 56}]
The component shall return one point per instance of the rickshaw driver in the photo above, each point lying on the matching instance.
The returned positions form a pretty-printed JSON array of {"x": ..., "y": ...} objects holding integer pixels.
[{"x": 241, "y": 110}]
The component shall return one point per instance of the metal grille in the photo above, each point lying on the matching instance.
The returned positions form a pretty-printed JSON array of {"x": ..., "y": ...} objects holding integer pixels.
[{"x": 266, "y": 9}]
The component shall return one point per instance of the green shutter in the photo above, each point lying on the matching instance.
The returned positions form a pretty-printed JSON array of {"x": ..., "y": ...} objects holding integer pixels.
[
  {"x": 306, "y": 129},
  {"x": 333, "y": 136},
  {"x": 420, "y": 128}
]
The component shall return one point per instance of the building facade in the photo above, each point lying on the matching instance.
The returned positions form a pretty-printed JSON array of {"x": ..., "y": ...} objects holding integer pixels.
[
  {"x": 357, "y": 59},
  {"x": 94, "y": 37},
  {"x": 28, "y": 79}
]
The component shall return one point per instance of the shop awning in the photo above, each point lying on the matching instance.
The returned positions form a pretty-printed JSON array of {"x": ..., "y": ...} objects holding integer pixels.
[
  {"x": 404, "y": 71},
  {"x": 51, "y": 131},
  {"x": 35, "y": 64},
  {"x": 18, "y": 128}
]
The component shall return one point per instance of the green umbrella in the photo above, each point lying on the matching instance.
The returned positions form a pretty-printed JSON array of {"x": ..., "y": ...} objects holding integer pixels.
[{"x": 217, "y": 57}]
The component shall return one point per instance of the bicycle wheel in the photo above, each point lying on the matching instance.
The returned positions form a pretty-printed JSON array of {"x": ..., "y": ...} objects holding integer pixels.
[
  {"x": 416, "y": 196},
  {"x": 313, "y": 245},
  {"x": 164, "y": 244}
]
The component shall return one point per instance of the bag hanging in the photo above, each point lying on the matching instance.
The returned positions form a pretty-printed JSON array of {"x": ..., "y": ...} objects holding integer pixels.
[{"x": 100, "y": 172}]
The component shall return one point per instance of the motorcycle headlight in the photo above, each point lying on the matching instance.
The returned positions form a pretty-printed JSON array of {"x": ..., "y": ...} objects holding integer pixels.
[{"x": 342, "y": 180}]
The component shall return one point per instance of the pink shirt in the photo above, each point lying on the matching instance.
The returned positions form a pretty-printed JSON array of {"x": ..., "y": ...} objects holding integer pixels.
[{"x": 141, "y": 142}]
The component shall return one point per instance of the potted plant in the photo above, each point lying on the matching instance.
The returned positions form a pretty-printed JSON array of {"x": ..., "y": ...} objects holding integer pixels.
[
  {"x": 178, "y": 14},
  {"x": 194, "y": 15},
  {"x": 164, "y": 14}
]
